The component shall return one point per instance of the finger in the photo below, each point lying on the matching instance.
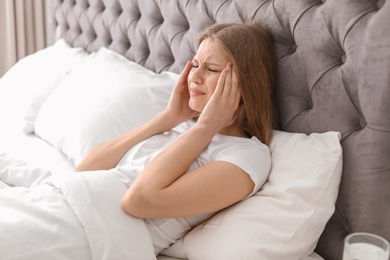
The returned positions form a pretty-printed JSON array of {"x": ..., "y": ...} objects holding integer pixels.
[
  {"x": 181, "y": 84},
  {"x": 235, "y": 86},
  {"x": 234, "y": 82},
  {"x": 228, "y": 82},
  {"x": 184, "y": 74},
  {"x": 221, "y": 82}
]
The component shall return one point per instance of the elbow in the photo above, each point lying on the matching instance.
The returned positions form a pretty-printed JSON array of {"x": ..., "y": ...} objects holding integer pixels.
[
  {"x": 135, "y": 204},
  {"x": 78, "y": 168},
  {"x": 82, "y": 166}
]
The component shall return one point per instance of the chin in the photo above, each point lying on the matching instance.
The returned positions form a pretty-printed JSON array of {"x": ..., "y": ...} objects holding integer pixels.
[{"x": 196, "y": 107}]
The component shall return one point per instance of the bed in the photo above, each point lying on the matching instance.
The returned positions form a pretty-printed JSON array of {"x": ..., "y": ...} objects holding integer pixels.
[{"x": 331, "y": 146}]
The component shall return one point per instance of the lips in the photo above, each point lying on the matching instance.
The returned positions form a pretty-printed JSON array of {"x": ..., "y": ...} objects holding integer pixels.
[{"x": 196, "y": 92}]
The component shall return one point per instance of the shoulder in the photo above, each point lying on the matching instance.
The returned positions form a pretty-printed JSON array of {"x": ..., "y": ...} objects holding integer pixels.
[
  {"x": 250, "y": 154},
  {"x": 239, "y": 145}
]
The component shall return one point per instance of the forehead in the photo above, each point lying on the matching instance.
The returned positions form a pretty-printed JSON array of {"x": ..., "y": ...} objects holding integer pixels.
[{"x": 210, "y": 49}]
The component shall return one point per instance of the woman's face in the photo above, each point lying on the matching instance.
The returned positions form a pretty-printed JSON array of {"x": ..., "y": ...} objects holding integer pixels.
[{"x": 207, "y": 66}]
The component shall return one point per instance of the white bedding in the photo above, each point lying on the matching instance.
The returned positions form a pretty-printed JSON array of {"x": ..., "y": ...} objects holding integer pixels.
[
  {"x": 59, "y": 214},
  {"x": 77, "y": 223},
  {"x": 84, "y": 208},
  {"x": 69, "y": 215}
]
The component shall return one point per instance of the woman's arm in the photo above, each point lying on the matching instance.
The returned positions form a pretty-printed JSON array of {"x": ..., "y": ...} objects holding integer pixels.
[
  {"x": 107, "y": 155},
  {"x": 164, "y": 190}
]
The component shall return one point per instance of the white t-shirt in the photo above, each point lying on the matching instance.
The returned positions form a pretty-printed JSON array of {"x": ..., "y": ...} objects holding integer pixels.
[{"x": 249, "y": 154}]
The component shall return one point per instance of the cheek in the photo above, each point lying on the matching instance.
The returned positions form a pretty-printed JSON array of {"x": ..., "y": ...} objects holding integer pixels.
[{"x": 213, "y": 84}]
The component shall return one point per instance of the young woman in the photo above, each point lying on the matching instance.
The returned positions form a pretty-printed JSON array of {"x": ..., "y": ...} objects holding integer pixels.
[
  {"x": 209, "y": 145},
  {"x": 206, "y": 151}
]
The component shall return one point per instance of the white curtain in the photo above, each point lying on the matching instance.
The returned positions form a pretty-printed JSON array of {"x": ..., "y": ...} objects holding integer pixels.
[{"x": 22, "y": 29}]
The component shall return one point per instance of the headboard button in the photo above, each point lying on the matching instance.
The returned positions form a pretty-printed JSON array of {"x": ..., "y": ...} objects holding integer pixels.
[
  {"x": 293, "y": 48},
  {"x": 310, "y": 104},
  {"x": 344, "y": 58},
  {"x": 362, "y": 122}
]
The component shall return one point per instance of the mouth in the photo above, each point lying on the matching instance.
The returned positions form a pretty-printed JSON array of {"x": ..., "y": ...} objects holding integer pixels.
[{"x": 195, "y": 92}]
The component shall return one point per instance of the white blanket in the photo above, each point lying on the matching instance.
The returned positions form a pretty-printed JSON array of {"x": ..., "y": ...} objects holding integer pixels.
[{"x": 72, "y": 216}]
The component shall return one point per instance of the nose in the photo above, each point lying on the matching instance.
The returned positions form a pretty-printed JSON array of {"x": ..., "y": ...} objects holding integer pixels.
[{"x": 196, "y": 76}]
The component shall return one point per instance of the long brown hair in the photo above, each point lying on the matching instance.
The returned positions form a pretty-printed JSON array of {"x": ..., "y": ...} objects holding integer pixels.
[{"x": 250, "y": 48}]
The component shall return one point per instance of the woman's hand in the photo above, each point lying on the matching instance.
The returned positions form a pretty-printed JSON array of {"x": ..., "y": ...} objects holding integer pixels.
[
  {"x": 222, "y": 109},
  {"x": 165, "y": 189},
  {"x": 178, "y": 110}
]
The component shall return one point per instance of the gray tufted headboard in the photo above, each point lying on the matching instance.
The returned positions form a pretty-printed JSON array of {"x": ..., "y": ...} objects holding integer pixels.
[{"x": 333, "y": 74}]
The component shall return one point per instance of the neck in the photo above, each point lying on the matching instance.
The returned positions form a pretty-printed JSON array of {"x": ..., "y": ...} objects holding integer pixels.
[{"x": 234, "y": 130}]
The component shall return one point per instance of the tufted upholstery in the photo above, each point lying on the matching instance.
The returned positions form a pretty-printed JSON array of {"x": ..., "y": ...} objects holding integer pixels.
[{"x": 333, "y": 74}]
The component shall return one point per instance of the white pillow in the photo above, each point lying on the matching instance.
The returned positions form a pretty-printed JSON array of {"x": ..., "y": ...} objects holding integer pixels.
[
  {"x": 104, "y": 97},
  {"x": 26, "y": 85},
  {"x": 285, "y": 219}
]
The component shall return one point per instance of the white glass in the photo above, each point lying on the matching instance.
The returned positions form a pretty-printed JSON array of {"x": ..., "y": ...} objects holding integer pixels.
[{"x": 365, "y": 246}]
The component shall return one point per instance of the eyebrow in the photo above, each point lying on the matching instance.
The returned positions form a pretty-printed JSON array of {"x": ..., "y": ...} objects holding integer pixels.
[{"x": 208, "y": 63}]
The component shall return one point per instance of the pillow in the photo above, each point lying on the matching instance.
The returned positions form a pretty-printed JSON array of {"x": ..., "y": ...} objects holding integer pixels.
[
  {"x": 104, "y": 97},
  {"x": 27, "y": 84},
  {"x": 285, "y": 219}
]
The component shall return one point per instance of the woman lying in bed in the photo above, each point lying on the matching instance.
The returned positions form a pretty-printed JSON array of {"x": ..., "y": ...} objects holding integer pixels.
[{"x": 205, "y": 152}]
